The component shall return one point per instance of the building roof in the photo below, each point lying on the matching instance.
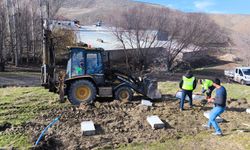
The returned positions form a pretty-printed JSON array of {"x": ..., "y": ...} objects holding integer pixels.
[{"x": 98, "y": 37}]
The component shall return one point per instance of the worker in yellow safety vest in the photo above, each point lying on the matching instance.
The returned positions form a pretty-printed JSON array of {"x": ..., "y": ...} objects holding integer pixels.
[
  {"x": 187, "y": 84},
  {"x": 207, "y": 86},
  {"x": 79, "y": 69}
]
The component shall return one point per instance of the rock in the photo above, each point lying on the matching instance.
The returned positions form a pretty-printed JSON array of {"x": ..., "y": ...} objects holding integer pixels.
[
  {"x": 146, "y": 103},
  {"x": 88, "y": 128},
  {"x": 155, "y": 122},
  {"x": 248, "y": 110},
  {"x": 98, "y": 104}
]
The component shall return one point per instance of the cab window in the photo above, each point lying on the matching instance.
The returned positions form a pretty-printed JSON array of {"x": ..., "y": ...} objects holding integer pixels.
[
  {"x": 240, "y": 72},
  {"x": 94, "y": 63},
  {"x": 77, "y": 63}
]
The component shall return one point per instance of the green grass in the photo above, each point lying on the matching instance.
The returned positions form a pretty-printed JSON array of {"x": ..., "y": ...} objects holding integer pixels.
[
  {"x": 20, "y": 105},
  {"x": 16, "y": 140},
  {"x": 203, "y": 140},
  {"x": 234, "y": 91}
]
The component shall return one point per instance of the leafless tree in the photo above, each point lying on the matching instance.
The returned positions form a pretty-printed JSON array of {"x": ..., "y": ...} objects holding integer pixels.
[
  {"x": 2, "y": 35},
  {"x": 190, "y": 33},
  {"x": 61, "y": 39},
  {"x": 21, "y": 32},
  {"x": 139, "y": 28}
]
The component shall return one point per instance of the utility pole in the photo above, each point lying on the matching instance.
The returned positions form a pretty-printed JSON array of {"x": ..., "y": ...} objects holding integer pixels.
[
  {"x": 48, "y": 67},
  {"x": 44, "y": 25}
]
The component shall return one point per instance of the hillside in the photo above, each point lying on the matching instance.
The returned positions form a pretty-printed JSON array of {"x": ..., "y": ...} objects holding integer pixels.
[
  {"x": 238, "y": 25},
  {"x": 89, "y": 11}
]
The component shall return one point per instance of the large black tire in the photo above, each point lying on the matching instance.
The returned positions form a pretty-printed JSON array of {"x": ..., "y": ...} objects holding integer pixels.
[
  {"x": 123, "y": 93},
  {"x": 242, "y": 82},
  {"x": 82, "y": 91}
]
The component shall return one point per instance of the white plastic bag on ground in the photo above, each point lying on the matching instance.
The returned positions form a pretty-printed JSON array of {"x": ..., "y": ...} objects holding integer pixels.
[{"x": 194, "y": 96}]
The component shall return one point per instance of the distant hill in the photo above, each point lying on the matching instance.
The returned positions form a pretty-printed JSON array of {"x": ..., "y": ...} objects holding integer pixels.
[
  {"x": 238, "y": 25},
  {"x": 89, "y": 11}
]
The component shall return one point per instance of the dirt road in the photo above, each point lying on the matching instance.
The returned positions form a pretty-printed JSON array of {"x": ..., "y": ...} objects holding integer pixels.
[{"x": 19, "y": 79}]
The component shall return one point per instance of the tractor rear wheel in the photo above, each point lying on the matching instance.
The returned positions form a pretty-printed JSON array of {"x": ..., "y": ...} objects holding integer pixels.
[
  {"x": 82, "y": 91},
  {"x": 123, "y": 93}
]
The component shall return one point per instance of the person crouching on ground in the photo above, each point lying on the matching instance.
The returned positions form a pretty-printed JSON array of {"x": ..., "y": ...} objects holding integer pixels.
[
  {"x": 207, "y": 86},
  {"x": 187, "y": 84},
  {"x": 220, "y": 105}
]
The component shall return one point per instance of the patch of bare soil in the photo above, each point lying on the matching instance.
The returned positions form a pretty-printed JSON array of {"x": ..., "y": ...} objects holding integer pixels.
[{"x": 123, "y": 123}]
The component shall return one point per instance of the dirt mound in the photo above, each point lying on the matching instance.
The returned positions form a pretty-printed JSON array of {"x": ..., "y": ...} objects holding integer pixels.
[
  {"x": 116, "y": 123},
  {"x": 123, "y": 123}
]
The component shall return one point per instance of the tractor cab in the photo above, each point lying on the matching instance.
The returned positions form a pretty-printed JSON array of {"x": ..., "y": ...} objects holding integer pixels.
[{"x": 84, "y": 61}]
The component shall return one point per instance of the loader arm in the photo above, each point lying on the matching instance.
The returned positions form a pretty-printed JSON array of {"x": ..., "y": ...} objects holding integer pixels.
[
  {"x": 147, "y": 87},
  {"x": 48, "y": 69}
]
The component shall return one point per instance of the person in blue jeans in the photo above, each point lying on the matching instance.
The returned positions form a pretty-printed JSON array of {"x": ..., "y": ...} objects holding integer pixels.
[
  {"x": 187, "y": 84},
  {"x": 219, "y": 106}
]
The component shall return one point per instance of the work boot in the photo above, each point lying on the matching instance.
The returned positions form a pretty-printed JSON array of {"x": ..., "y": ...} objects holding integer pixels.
[
  {"x": 217, "y": 133},
  {"x": 205, "y": 126}
]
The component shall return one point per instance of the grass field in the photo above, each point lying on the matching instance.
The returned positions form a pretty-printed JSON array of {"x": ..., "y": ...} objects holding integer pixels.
[
  {"x": 20, "y": 105},
  {"x": 201, "y": 141}
]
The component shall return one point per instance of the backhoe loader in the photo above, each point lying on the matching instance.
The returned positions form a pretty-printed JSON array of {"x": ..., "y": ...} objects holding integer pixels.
[{"x": 87, "y": 77}]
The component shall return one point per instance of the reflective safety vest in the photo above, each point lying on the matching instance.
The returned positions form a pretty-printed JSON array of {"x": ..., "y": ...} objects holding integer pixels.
[
  {"x": 207, "y": 83},
  {"x": 188, "y": 83},
  {"x": 79, "y": 71}
]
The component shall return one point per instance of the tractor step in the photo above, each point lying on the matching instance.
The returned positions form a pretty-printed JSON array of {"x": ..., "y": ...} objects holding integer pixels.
[{"x": 105, "y": 92}]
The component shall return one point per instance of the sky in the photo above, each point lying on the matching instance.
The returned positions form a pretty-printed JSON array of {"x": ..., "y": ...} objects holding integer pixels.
[{"x": 208, "y": 6}]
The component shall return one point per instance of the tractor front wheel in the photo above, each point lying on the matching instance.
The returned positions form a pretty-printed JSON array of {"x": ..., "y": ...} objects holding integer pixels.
[
  {"x": 82, "y": 91},
  {"x": 123, "y": 93}
]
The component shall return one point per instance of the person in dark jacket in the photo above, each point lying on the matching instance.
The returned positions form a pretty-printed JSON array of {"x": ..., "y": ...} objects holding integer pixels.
[
  {"x": 187, "y": 84},
  {"x": 219, "y": 106}
]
